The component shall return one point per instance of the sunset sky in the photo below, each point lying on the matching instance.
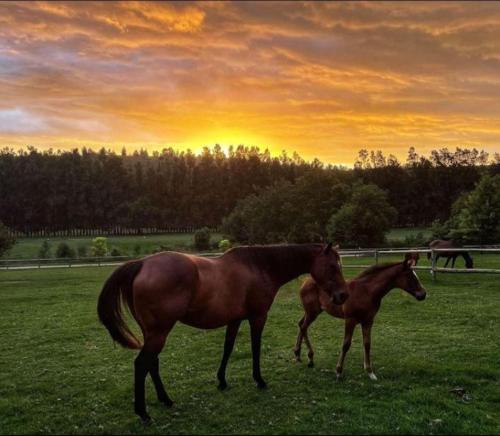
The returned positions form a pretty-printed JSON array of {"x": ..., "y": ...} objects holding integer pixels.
[{"x": 323, "y": 79}]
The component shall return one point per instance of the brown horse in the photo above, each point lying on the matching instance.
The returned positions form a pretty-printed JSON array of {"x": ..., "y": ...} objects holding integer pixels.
[
  {"x": 365, "y": 295},
  {"x": 439, "y": 243},
  {"x": 208, "y": 293}
]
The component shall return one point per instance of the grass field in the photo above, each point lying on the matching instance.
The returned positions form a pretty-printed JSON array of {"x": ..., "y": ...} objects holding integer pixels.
[
  {"x": 28, "y": 248},
  {"x": 400, "y": 234},
  {"x": 60, "y": 372}
]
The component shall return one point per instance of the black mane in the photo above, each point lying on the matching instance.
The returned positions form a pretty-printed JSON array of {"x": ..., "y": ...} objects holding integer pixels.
[{"x": 281, "y": 259}]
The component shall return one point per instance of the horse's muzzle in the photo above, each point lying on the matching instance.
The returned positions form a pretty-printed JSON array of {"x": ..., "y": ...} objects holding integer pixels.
[{"x": 420, "y": 296}]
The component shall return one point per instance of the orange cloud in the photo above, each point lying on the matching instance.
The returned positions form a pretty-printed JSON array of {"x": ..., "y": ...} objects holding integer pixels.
[{"x": 323, "y": 79}]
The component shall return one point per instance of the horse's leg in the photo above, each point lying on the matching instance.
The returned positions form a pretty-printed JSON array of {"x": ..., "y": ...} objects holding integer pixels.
[
  {"x": 367, "y": 329},
  {"x": 447, "y": 261},
  {"x": 231, "y": 332},
  {"x": 309, "y": 319},
  {"x": 147, "y": 362},
  {"x": 298, "y": 343},
  {"x": 256, "y": 327},
  {"x": 453, "y": 261},
  {"x": 350, "y": 324}
]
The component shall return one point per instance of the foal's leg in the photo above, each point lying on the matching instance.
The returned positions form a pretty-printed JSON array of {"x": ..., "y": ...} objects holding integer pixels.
[
  {"x": 309, "y": 319},
  {"x": 350, "y": 324},
  {"x": 231, "y": 332},
  {"x": 256, "y": 327},
  {"x": 367, "y": 329},
  {"x": 298, "y": 343},
  {"x": 147, "y": 362}
]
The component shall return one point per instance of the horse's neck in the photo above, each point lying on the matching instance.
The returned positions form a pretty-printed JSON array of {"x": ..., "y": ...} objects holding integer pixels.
[
  {"x": 284, "y": 263},
  {"x": 383, "y": 283}
]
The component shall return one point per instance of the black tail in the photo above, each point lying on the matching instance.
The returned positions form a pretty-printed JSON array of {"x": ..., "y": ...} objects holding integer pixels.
[{"x": 118, "y": 291}]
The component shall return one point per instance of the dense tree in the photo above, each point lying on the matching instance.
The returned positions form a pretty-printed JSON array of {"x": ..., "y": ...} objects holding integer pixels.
[
  {"x": 84, "y": 189},
  {"x": 6, "y": 240},
  {"x": 364, "y": 219},
  {"x": 476, "y": 214}
]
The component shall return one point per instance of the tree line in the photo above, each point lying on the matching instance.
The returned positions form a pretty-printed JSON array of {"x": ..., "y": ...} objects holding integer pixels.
[{"x": 102, "y": 189}]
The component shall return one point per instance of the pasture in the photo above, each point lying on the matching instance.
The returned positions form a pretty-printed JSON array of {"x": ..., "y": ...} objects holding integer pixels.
[
  {"x": 62, "y": 374},
  {"x": 28, "y": 248}
]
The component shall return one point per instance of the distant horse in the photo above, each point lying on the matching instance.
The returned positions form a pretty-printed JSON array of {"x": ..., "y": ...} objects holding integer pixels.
[
  {"x": 207, "y": 293},
  {"x": 365, "y": 295},
  {"x": 438, "y": 243}
]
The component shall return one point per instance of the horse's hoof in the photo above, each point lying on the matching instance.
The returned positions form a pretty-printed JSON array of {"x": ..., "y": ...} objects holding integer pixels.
[
  {"x": 372, "y": 376},
  {"x": 310, "y": 364},
  {"x": 167, "y": 402},
  {"x": 339, "y": 376},
  {"x": 262, "y": 385},
  {"x": 145, "y": 418},
  {"x": 222, "y": 386}
]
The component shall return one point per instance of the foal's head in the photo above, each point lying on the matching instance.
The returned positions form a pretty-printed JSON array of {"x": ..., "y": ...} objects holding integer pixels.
[
  {"x": 407, "y": 278},
  {"x": 327, "y": 272}
]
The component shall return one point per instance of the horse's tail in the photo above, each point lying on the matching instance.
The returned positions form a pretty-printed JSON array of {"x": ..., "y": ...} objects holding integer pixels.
[{"x": 117, "y": 290}]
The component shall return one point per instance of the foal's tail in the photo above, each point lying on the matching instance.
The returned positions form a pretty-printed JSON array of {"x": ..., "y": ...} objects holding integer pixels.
[{"x": 118, "y": 291}]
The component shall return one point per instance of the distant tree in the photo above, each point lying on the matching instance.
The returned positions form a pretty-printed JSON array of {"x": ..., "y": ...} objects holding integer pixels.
[
  {"x": 44, "y": 252},
  {"x": 202, "y": 239},
  {"x": 6, "y": 240},
  {"x": 287, "y": 212},
  {"x": 64, "y": 251},
  {"x": 99, "y": 246},
  {"x": 476, "y": 214},
  {"x": 364, "y": 219}
]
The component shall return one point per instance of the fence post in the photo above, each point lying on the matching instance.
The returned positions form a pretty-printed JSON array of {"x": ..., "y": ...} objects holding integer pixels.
[
  {"x": 433, "y": 264},
  {"x": 376, "y": 256}
]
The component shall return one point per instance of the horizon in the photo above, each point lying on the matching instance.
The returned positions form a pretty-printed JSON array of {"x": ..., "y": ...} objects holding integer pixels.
[{"x": 323, "y": 80}]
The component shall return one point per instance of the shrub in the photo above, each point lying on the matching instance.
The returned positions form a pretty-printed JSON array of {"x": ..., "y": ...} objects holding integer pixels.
[
  {"x": 64, "y": 251},
  {"x": 202, "y": 239},
  {"x": 224, "y": 245},
  {"x": 44, "y": 252},
  {"x": 115, "y": 252},
  {"x": 137, "y": 249},
  {"x": 99, "y": 246}
]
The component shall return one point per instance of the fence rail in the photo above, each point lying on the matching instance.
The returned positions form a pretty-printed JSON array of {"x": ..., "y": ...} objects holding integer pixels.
[
  {"x": 374, "y": 253},
  {"x": 111, "y": 231}
]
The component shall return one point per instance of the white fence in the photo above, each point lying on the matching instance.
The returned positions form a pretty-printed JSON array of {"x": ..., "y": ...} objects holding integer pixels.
[
  {"x": 375, "y": 253},
  {"x": 434, "y": 252}
]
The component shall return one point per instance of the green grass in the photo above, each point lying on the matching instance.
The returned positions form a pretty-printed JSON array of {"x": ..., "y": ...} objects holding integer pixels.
[
  {"x": 28, "y": 248},
  {"x": 399, "y": 234},
  {"x": 60, "y": 372}
]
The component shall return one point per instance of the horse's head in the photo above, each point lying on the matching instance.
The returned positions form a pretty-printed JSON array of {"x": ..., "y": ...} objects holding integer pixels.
[
  {"x": 408, "y": 280},
  {"x": 327, "y": 272}
]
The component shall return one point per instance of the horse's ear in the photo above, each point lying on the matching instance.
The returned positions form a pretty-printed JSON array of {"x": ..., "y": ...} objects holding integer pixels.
[
  {"x": 411, "y": 259},
  {"x": 328, "y": 248}
]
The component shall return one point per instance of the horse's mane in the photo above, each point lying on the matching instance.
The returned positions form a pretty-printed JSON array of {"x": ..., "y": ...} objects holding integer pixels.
[
  {"x": 375, "y": 269},
  {"x": 276, "y": 256}
]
